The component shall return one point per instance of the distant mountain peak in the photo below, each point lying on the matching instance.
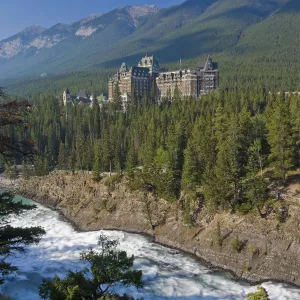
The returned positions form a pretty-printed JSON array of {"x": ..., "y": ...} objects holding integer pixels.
[
  {"x": 33, "y": 29},
  {"x": 90, "y": 18},
  {"x": 139, "y": 11}
]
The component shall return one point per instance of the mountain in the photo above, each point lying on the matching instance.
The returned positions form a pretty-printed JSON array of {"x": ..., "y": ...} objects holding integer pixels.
[
  {"x": 19, "y": 42},
  {"x": 191, "y": 30}
]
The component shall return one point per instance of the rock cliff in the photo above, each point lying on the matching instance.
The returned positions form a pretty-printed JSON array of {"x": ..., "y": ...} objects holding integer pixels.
[{"x": 253, "y": 248}]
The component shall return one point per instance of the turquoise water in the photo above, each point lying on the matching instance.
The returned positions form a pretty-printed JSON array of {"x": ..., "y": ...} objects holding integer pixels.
[{"x": 24, "y": 200}]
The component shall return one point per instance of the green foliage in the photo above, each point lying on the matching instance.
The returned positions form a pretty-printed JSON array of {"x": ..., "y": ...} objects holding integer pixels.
[
  {"x": 62, "y": 157},
  {"x": 189, "y": 216},
  {"x": 14, "y": 239},
  {"x": 261, "y": 294},
  {"x": 282, "y": 213},
  {"x": 93, "y": 82},
  {"x": 254, "y": 251},
  {"x": 117, "y": 99},
  {"x": 112, "y": 180},
  {"x": 280, "y": 137},
  {"x": 257, "y": 185},
  {"x": 41, "y": 166},
  {"x": 218, "y": 146},
  {"x": 96, "y": 166},
  {"x": 219, "y": 237},
  {"x": 238, "y": 245},
  {"x": 247, "y": 268},
  {"x": 27, "y": 170},
  {"x": 11, "y": 172},
  {"x": 105, "y": 270}
]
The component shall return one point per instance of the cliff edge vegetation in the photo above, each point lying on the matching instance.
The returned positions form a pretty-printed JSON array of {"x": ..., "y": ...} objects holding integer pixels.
[{"x": 253, "y": 247}]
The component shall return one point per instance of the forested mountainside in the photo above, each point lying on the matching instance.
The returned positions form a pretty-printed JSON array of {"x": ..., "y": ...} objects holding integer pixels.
[{"x": 248, "y": 37}]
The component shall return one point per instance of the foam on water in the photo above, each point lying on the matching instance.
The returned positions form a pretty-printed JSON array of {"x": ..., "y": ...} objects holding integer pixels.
[{"x": 167, "y": 274}]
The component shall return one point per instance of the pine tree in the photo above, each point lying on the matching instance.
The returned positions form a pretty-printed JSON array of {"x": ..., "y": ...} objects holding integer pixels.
[
  {"x": 117, "y": 99},
  {"x": 105, "y": 270},
  {"x": 41, "y": 166},
  {"x": 193, "y": 167},
  {"x": 13, "y": 239},
  {"x": 132, "y": 158},
  {"x": 97, "y": 161},
  {"x": 280, "y": 138},
  {"x": 257, "y": 187},
  {"x": 11, "y": 171},
  {"x": 177, "y": 94},
  {"x": 62, "y": 157},
  {"x": 27, "y": 171},
  {"x": 96, "y": 119},
  {"x": 153, "y": 95}
]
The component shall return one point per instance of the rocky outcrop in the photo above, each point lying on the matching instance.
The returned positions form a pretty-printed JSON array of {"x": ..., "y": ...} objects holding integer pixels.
[{"x": 253, "y": 248}]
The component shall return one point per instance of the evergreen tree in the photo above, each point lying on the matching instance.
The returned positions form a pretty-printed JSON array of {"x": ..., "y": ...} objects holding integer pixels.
[
  {"x": 280, "y": 138},
  {"x": 177, "y": 94},
  {"x": 96, "y": 119},
  {"x": 105, "y": 270},
  {"x": 97, "y": 161},
  {"x": 41, "y": 166},
  {"x": 27, "y": 170},
  {"x": 13, "y": 239},
  {"x": 117, "y": 99},
  {"x": 257, "y": 187},
  {"x": 261, "y": 294},
  {"x": 193, "y": 167},
  {"x": 62, "y": 157},
  {"x": 153, "y": 94},
  {"x": 11, "y": 172},
  {"x": 132, "y": 158}
]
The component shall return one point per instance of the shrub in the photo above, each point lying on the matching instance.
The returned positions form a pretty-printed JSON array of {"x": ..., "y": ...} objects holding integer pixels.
[
  {"x": 238, "y": 244},
  {"x": 254, "y": 251},
  {"x": 282, "y": 214},
  {"x": 111, "y": 181},
  {"x": 247, "y": 268},
  {"x": 219, "y": 237},
  {"x": 261, "y": 294}
]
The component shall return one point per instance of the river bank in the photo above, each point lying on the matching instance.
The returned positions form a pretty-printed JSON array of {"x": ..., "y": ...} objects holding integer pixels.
[
  {"x": 269, "y": 250},
  {"x": 168, "y": 274}
]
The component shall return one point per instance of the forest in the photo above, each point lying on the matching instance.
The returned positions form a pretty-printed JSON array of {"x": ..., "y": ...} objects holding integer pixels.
[{"x": 224, "y": 149}]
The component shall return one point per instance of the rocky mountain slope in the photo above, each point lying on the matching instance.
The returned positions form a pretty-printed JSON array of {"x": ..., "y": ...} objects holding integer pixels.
[
  {"x": 35, "y": 38},
  {"x": 253, "y": 248},
  {"x": 189, "y": 30}
]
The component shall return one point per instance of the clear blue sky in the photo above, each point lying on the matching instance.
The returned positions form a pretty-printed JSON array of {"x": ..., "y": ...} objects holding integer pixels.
[{"x": 15, "y": 15}]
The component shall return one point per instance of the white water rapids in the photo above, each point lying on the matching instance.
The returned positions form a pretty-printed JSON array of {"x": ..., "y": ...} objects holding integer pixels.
[{"x": 167, "y": 274}]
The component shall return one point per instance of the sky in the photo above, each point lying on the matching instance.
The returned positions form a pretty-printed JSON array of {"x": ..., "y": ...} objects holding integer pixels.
[{"x": 18, "y": 14}]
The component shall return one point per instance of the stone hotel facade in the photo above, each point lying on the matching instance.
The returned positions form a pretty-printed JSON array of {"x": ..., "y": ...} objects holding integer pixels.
[{"x": 140, "y": 80}]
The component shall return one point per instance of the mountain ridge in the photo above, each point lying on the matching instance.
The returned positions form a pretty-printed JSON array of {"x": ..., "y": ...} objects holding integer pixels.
[{"x": 189, "y": 30}]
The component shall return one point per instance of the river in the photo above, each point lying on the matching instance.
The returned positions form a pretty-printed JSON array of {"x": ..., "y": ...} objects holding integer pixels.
[{"x": 167, "y": 274}]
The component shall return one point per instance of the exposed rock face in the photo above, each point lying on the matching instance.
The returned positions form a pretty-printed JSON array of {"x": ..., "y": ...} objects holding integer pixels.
[
  {"x": 85, "y": 31},
  {"x": 139, "y": 11},
  {"x": 253, "y": 248},
  {"x": 90, "y": 18},
  {"x": 36, "y": 38},
  {"x": 14, "y": 45}
]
